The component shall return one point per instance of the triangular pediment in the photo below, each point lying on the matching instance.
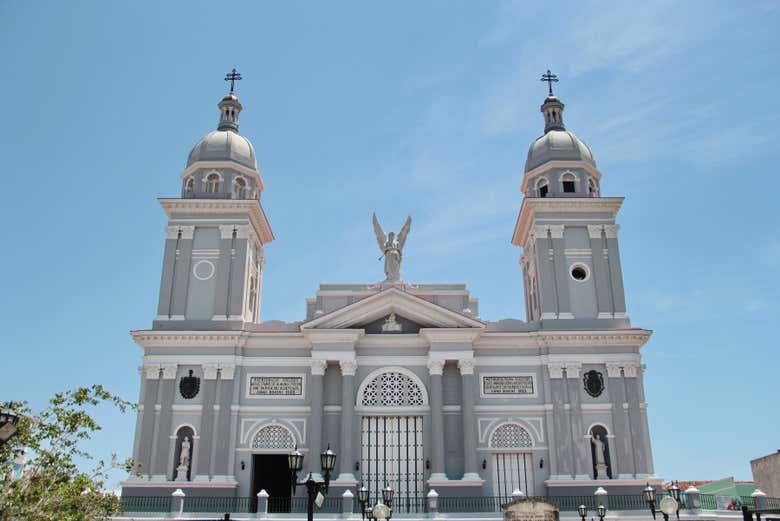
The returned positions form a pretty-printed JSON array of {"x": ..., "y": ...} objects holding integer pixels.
[{"x": 410, "y": 311}]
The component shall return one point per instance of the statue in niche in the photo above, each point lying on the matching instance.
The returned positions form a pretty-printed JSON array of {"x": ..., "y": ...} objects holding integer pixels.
[
  {"x": 391, "y": 325},
  {"x": 600, "y": 456},
  {"x": 392, "y": 248},
  {"x": 184, "y": 460}
]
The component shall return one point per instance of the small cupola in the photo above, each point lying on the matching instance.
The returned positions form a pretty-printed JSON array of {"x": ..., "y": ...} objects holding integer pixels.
[{"x": 230, "y": 107}]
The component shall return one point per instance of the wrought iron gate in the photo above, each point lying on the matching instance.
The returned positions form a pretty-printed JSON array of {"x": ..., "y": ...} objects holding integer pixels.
[
  {"x": 392, "y": 454},
  {"x": 513, "y": 470}
]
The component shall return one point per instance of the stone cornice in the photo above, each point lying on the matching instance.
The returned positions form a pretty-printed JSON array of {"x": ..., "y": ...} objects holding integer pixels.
[
  {"x": 450, "y": 335},
  {"x": 251, "y": 207},
  {"x": 332, "y": 336},
  {"x": 190, "y": 338},
  {"x": 532, "y": 205},
  {"x": 544, "y": 339}
]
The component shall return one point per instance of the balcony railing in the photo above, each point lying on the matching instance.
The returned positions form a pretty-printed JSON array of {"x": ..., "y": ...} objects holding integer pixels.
[{"x": 402, "y": 505}]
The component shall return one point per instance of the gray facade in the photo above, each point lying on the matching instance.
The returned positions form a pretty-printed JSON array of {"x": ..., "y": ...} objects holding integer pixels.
[{"x": 403, "y": 381}]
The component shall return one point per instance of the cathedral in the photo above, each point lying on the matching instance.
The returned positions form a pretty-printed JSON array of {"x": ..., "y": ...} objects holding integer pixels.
[{"x": 404, "y": 381}]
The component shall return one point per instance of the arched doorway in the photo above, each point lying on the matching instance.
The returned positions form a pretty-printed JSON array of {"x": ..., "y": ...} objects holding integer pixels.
[
  {"x": 512, "y": 460},
  {"x": 392, "y": 402},
  {"x": 270, "y": 471}
]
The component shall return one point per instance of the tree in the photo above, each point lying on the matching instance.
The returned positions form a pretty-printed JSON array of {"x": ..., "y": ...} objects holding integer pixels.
[{"x": 53, "y": 487}]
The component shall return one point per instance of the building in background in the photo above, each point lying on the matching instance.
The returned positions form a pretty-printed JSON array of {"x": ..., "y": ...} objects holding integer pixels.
[
  {"x": 766, "y": 473},
  {"x": 403, "y": 380}
]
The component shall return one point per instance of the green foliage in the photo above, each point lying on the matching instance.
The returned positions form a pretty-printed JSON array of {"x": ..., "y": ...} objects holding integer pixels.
[{"x": 53, "y": 487}]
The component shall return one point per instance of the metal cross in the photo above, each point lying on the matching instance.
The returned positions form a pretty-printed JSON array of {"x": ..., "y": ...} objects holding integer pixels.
[
  {"x": 550, "y": 78},
  {"x": 233, "y": 76}
]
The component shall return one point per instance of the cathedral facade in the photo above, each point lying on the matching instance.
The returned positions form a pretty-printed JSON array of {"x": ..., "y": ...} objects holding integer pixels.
[{"x": 404, "y": 381}]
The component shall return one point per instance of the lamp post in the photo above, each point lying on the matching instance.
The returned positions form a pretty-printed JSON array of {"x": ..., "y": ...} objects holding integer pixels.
[
  {"x": 582, "y": 510},
  {"x": 382, "y": 510},
  {"x": 314, "y": 488},
  {"x": 668, "y": 504},
  {"x": 8, "y": 421},
  {"x": 601, "y": 510}
]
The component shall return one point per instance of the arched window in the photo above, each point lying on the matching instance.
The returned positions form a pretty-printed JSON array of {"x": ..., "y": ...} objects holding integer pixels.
[
  {"x": 239, "y": 188},
  {"x": 568, "y": 181},
  {"x": 392, "y": 388},
  {"x": 274, "y": 437},
  {"x": 252, "y": 293},
  {"x": 212, "y": 183},
  {"x": 510, "y": 436},
  {"x": 542, "y": 187},
  {"x": 189, "y": 186},
  {"x": 592, "y": 188}
]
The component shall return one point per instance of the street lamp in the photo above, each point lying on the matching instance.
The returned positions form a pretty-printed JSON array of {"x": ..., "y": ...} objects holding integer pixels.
[
  {"x": 583, "y": 511},
  {"x": 668, "y": 504},
  {"x": 382, "y": 510},
  {"x": 601, "y": 510},
  {"x": 8, "y": 421},
  {"x": 315, "y": 490}
]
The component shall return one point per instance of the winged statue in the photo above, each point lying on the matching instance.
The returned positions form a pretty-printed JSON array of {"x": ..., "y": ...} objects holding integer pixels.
[{"x": 392, "y": 247}]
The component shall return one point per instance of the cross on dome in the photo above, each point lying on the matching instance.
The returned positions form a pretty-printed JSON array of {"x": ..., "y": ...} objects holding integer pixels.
[
  {"x": 549, "y": 77},
  {"x": 234, "y": 76}
]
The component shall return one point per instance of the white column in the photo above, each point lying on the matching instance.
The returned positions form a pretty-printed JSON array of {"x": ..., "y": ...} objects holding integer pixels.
[
  {"x": 348, "y": 368},
  {"x": 436, "y": 369},
  {"x": 471, "y": 471}
]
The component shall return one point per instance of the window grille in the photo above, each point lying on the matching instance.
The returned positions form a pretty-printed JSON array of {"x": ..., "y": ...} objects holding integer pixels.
[
  {"x": 510, "y": 436},
  {"x": 392, "y": 389},
  {"x": 273, "y": 437}
]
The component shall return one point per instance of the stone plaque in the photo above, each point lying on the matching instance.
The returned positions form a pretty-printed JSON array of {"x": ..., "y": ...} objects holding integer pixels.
[
  {"x": 530, "y": 510},
  {"x": 507, "y": 385},
  {"x": 276, "y": 386}
]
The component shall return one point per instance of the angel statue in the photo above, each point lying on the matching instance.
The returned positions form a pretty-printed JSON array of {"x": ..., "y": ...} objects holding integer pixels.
[{"x": 391, "y": 248}]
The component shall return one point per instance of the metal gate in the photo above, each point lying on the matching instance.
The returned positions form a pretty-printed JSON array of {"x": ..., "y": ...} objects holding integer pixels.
[
  {"x": 513, "y": 470},
  {"x": 392, "y": 454}
]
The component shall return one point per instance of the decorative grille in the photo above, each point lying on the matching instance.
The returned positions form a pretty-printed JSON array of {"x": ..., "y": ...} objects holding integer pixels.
[
  {"x": 393, "y": 389},
  {"x": 510, "y": 436},
  {"x": 273, "y": 437}
]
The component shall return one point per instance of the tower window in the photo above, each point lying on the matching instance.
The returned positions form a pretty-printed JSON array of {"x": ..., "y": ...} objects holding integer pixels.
[
  {"x": 189, "y": 186},
  {"x": 568, "y": 183},
  {"x": 212, "y": 183},
  {"x": 579, "y": 272},
  {"x": 592, "y": 186},
  {"x": 239, "y": 188},
  {"x": 542, "y": 188}
]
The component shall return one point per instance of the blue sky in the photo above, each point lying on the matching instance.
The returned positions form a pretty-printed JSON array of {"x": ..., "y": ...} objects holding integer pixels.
[{"x": 425, "y": 108}]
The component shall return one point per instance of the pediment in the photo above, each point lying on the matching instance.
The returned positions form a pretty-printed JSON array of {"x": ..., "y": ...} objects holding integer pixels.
[{"x": 411, "y": 312}]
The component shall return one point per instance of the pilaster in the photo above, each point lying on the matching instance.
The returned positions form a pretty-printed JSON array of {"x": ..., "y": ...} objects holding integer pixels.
[
  {"x": 435, "y": 370},
  {"x": 471, "y": 471},
  {"x": 348, "y": 369}
]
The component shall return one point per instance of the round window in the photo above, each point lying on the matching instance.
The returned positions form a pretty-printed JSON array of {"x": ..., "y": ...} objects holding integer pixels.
[{"x": 579, "y": 272}]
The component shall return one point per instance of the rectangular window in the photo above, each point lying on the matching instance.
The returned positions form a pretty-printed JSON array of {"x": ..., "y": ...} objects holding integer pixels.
[{"x": 568, "y": 186}]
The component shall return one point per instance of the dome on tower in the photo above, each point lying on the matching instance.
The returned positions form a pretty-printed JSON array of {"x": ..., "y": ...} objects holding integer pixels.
[
  {"x": 557, "y": 143},
  {"x": 225, "y": 143}
]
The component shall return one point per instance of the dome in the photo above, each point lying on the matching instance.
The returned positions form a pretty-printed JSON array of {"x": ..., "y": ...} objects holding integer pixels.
[
  {"x": 224, "y": 145},
  {"x": 558, "y": 145}
]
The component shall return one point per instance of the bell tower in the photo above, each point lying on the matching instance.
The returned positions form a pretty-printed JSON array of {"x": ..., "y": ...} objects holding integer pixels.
[
  {"x": 568, "y": 232},
  {"x": 213, "y": 262}
]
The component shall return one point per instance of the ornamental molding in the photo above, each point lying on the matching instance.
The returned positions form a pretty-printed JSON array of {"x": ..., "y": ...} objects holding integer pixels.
[
  {"x": 531, "y": 205},
  {"x": 554, "y": 165},
  {"x": 348, "y": 367},
  {"x": 545, "y": 339},
  {"x": 152, "y": 371},
  {"x": 466, "y": 366},
  {"x": 172, "y": 231},
  {"x": 392, "y": 300},
  {"x": 243, "y": 231},
  {"x": 169, "y": 371},
  {"x": 148, "y": 338},
  {"x": 436, "y": 367},
  {"x": 573, "y": 370},
  {"x": 627, "y": 370},
  {"x": 251, "y": 208},
  {"x": 318, "y": 367},
  {"x": 556, "y": 370},
  {"x": 332, "y": 336}
]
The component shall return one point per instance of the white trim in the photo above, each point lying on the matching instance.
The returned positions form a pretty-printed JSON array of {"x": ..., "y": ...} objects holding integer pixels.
[
  {"x": 596, "y": 406},
  {"x": 275, "y": 409},
  {"x": 295, "y": 397},
  {"x": 534, "y": 386},
  {"x": 191, "y": 426},
  {"x": 597, "y": 424},
  {"x": 392, "y": 411},
  {"x": 211, "y": 270},
  {"x": 186, "y": 407},
  {"x": 532, "y": 205},
  {"x": 579, "y": 265}
]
